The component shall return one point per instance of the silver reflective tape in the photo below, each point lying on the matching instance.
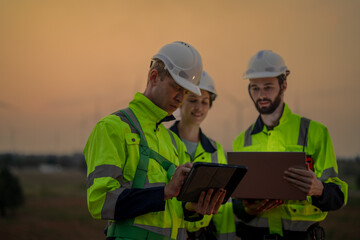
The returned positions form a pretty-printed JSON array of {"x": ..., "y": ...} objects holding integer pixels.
[
  {"x": 328, "y": 173},
  {"x": 108, "y": 210},
  {"x": 248, "y": 140},
  {"x": 214, "y": 157},
  {"x": 182, "y": 235},
  {"x": 104, "y": 171},
  {"x": 304, "y": 127},
  {"x": 172, "y": 139},
  {"x": 135, "y": 121},
  {"x": 258, "y": 222},
  {"x": 150, "y": 185},
  {"x": 162, "y": 231},
  {"x": 287, "y": 224},
  {"x": 299, "y": 226},
  {"x": 226, "y": 236},
  {"x": 125, "y": 120}
]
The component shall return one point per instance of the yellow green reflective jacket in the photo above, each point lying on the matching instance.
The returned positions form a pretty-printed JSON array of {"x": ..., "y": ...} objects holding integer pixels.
[
  {"x": 112, "y": 156},
  {"x": 209, "y": 150},
  {"x": 290, "y": 136}
]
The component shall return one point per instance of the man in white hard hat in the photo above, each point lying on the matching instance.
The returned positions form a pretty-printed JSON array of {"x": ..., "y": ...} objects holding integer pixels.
[
  {"x": 135, "y": 166},
  {"x": 278, "y": 129}
]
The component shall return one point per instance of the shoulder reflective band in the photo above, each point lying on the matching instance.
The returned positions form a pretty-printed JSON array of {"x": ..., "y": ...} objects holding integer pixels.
[
  {"x": 248, "y": 140},
  {"x": 303, "y": 131},
  {"x": 214, "y": 155},
  {"x": 144, "y": 151},
  {"x": 302, "y": 139}
]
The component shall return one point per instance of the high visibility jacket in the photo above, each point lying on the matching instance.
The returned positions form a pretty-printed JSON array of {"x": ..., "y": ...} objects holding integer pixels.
[
  {"x": 211, "y": 151},
  {"x": 112, "y": 157},
  {"x": 297, "y": 134}
]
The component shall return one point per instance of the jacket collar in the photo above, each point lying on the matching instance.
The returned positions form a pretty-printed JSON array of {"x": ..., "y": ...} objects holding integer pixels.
[
  {"x": 144, "y": 108},
  {"x": 259, "y": 124},
  {"x": 204, "y": 140}
]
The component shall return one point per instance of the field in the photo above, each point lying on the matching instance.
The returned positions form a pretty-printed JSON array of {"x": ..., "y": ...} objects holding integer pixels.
[{"x": 55, "y": 208}]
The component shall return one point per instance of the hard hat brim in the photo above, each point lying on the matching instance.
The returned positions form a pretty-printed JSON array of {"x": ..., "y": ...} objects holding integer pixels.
[
  {"x": 261, "y": 75},
  {"x": 186, "y": 84}
]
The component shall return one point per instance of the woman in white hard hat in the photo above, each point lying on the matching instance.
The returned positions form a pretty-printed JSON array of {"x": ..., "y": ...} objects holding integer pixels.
[{"x": 203, "y": 149}]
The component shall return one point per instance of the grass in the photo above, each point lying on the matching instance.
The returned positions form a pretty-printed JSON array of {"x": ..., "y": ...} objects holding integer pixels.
[
  {"x": 344, "y": 224},
  {"x": 55, "y": 208}
]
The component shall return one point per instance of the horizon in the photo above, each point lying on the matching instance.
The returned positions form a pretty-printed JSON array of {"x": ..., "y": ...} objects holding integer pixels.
[{"x": 66, "y": 64}]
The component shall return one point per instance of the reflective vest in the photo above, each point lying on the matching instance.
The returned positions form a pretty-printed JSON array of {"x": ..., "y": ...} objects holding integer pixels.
[
  {"x": 209, "y": 150},
  {"x": 113, "y": 160},
  {"x": 293, "y": 134}
]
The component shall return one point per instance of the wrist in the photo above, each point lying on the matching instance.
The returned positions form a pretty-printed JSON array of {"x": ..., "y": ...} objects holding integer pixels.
[
  {"x": 320, "y": 191},
  {"x": 167, "y": 193}
]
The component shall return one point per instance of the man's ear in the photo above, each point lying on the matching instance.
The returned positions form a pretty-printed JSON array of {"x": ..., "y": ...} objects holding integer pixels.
[
  {"x": 284, "y": 85},
  {"x": 153, "y": 77},
  {"x": 250, "y": 92}
]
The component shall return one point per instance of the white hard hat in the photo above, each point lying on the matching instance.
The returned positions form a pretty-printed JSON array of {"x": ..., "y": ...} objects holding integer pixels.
[
  {"x": 265, "y": 64},
  {"x": 184, "y": 64},
  {"x": 207, "y": 84}
]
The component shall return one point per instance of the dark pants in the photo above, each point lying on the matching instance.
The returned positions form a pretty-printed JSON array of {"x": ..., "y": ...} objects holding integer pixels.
[{"x": 315, "y": 232}]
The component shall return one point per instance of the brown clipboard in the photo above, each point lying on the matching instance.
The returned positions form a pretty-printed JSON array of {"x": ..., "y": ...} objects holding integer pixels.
[{"x": 264, "y": 179}]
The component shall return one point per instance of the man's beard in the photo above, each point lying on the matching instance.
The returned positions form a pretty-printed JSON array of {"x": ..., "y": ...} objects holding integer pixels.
[{"x": 273, "y": 105}]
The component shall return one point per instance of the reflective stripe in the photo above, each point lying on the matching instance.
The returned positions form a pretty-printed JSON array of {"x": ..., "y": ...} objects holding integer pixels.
[
  {"x": 258, "y": 222},
  {"x": 248, "y": 140},
  {"x": 126, "y": 230},
  {"x": 182, "y": 235},
  {"x": 300, "y": 226},
  {"x": 328, "y": 173},
  {"x": 172, "y": 139},
  {"x": 304, "y": 127},
  {"x": 124, "y": 119},
  {"x": 302, "y": 139},
  {"x": 159, "y": 230},
  {"x": 287, "y": 224},
  {"x": 108, "y": 210},
  {"x": 133, "y": 129},
  {"x": 135, "y": 121},
  {"x": 104, "y": 171},
  {"x": 226, "y": 236},
  {"x": 214, "y": 155},
  {"x": 151, "y": 185}
]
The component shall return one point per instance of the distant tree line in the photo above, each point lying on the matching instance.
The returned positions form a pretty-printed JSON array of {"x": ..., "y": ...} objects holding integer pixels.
[{"x": 74, "y": 161}]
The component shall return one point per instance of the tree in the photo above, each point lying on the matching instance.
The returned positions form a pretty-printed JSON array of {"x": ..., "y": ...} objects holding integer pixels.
[{"x": 11, "y": 194}]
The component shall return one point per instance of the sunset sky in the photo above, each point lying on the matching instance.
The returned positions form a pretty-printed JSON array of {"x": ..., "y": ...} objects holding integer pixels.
[{"x": 65, "y": 64}]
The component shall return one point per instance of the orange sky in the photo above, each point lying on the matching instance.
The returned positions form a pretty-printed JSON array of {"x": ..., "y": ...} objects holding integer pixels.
[{"x": 66, "y": 64}]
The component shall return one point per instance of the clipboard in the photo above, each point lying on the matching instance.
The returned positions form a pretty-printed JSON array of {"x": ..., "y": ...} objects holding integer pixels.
[
  {"x": 205, "y": 176},
  {"x": 264, "y": 179}
]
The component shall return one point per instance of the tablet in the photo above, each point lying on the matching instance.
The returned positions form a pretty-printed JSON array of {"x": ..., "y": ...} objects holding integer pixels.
[
  {"x": 264, "y": 179},
  {"x": 205, "y": 176}
]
